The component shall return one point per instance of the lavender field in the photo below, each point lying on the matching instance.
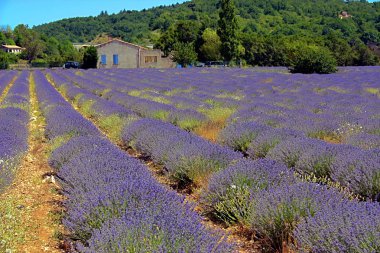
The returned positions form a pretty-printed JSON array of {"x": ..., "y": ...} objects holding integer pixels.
[{"x": 293, "y": 159}]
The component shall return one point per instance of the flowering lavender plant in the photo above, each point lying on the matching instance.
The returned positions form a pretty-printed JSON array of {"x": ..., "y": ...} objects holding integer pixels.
[
  {"x": 276, "y": 211},
  {"x": 342, "y": 227},
  {"x": 229, "y": 192}
]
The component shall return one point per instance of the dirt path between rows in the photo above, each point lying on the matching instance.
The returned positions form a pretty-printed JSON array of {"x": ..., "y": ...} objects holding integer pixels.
[
  {"x": 8, "y": 87},
  {"x": 38, "y": 199}
]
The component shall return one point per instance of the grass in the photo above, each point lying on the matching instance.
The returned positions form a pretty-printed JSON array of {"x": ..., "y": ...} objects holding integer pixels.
[
  {"x": 12, "y": 230},
  {"x": 59, "y": 141},
  {"x": 210, "y": 130},
  {"x": 374, "y": 91},
  {"x": 189, "y": 124},
  {"x": 160, "y": 115},
  {"x": 114, "y": 124},
  {"x": 218, "y": 113},
  {"x": 23, "y": 106}
]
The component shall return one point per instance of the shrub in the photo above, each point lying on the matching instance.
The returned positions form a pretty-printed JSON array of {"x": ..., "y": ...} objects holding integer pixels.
[
  {"x": 267, "y": 140},
  {"x": 239, "y": 135},
  {"x": 276, "y": 211},
  {"x": 342, "y": 227},
  {"x": 358, "y": 170},
  {"x": 40, "y": 63},
  {"x": 4, "y": 61},
  {"x": 229, "y": 191},
  {"x": 313, "y": 59},
  {"x": 90, "y": 58}
]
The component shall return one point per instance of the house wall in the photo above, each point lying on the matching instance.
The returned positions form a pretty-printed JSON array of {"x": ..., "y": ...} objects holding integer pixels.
[
  {"x": 150, "y": 58},
  {"x": 131, "y": 56},
  {"x": 128, "y": 55}
]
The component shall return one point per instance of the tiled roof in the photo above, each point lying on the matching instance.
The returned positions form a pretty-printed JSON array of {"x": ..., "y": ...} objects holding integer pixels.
[
  {"x": 123, "y": 42},
  {"x": 11, "y": 47}
]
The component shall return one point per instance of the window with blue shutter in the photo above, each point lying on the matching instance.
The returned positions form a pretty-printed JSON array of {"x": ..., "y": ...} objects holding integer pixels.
[
  {"x": 104, "y": 59},
  {"x": 115, "y": 59}
]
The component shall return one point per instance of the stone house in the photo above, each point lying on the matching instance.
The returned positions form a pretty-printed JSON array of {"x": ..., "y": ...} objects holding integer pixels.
[
  {"x": 12, "y": 49},
  {"x": 120, "y": 54}
]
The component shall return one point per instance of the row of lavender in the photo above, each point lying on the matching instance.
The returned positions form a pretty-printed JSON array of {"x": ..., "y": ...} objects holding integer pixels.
[
  {"x": 351, "y": 167},
  {"x": 14, "y": 118},
  {"x": 6, "y": 78},
  {"x": 342, "y": 107},
  {"x": 113, "y": 203},
  {"x": 263, "y": 195},
  {"x": 345, "y": 112}
]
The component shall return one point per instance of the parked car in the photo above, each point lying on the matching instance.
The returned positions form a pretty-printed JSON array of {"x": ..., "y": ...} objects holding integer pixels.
[
  {"x": 71, "y": 65},
  {"x": 215, "y": 64}
]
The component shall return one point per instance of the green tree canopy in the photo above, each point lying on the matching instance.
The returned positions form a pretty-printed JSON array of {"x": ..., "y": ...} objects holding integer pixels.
[
  {"x": 313, "y": 59},
  {"x": 90, "y": 58},
  {"x": 210, "y": 49},
  {"x": 4, "y": 62},
  {"x": 184, "y": 54},
  {"x": 227, "y": 30}
]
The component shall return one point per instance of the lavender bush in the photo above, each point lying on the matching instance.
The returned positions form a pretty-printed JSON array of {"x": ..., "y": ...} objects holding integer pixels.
[
  {"x": 187, "y": 157},
  {"x": 276, "y": 211},
  {"x": 229, "y": 192},
  {"x": 342, "y": 227},
  {"x": 14, "y": 115},
  {"x": 358, "y": 170},
  {"x": 267, "y": 140},
  {"x": 238, "y": 136}
]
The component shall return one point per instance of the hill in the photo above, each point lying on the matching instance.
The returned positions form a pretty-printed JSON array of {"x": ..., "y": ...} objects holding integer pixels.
[{"x": 310, "y": 18}]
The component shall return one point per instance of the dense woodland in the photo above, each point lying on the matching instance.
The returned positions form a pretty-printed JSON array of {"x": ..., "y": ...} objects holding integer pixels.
[{"x": 269, "y": 31}]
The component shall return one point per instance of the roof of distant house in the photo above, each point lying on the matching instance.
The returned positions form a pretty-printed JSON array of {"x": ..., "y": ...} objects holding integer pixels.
[
  {"x": 121, "y": 41},
  {"x": 12, "y": 47}
]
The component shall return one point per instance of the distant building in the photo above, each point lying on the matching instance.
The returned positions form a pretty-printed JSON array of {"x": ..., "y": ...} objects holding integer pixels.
[
  {"x": 12, "y": 49},
  {"x": 344, "y": 15},
  {"x": 120, "y": 54}
]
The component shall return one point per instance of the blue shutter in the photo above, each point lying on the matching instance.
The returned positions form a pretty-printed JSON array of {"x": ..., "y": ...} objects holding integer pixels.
[
  {"x": 115, "y": 59},
  {"x": 104, "y": 59}
]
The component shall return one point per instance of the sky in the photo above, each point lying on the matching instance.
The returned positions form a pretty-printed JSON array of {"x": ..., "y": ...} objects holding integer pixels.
[{"x": 36, "y": 12}]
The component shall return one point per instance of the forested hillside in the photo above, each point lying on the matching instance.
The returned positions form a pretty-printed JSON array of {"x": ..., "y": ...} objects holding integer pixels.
[
  {"x": 266, "y": 33},
  {"x": 309, "y": 18}
]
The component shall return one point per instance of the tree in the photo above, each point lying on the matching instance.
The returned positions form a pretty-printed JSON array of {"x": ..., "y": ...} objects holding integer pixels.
[
  {"x": 210, "y": 49},
  {"x": 184, "y": 54},
  {"x": 30, "y": 40},
  {"x": 4, "y": 63},
  {"x": 313, "y": 59},
  {"x": 90, "y": 58},
  {"x": 227, "y": 30}
]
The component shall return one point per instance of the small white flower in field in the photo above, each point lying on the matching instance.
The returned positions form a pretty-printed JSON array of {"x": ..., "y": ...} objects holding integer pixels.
[
  {"x": 1, "y": 161},
  {"x": 233, "y": 186}
]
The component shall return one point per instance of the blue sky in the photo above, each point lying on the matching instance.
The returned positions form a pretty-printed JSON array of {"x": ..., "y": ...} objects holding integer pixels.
[{"x": 35, "y": 12}]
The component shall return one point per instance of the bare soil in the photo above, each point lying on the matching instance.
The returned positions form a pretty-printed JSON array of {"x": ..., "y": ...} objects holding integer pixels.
[{"x": 39, "y": 201}]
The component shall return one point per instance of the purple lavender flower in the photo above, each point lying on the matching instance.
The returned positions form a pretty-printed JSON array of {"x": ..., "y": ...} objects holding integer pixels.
[
  {"x": 229, "y": 191},
  {"x": 238, "y": 136},
  {"x": 267, "y": 140},
  {"x": 341, "y": 227},
  {"x": 276, "y": 212},
  {"x": 358, "y": 170}
]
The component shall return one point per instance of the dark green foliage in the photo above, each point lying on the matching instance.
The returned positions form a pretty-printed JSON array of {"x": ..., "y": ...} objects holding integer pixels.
[
  {"x": 4, "y": 61},
  {"x": 211, "y": 46},
  {"x": 313, "y": 59},
  {"x": 184, "y": 54},
  {"x": 263, "y": 32},
  {"x": 90, "y": 58},
  {"x": 227, "y": 30},
  {"x": 39, "y": 63}
]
